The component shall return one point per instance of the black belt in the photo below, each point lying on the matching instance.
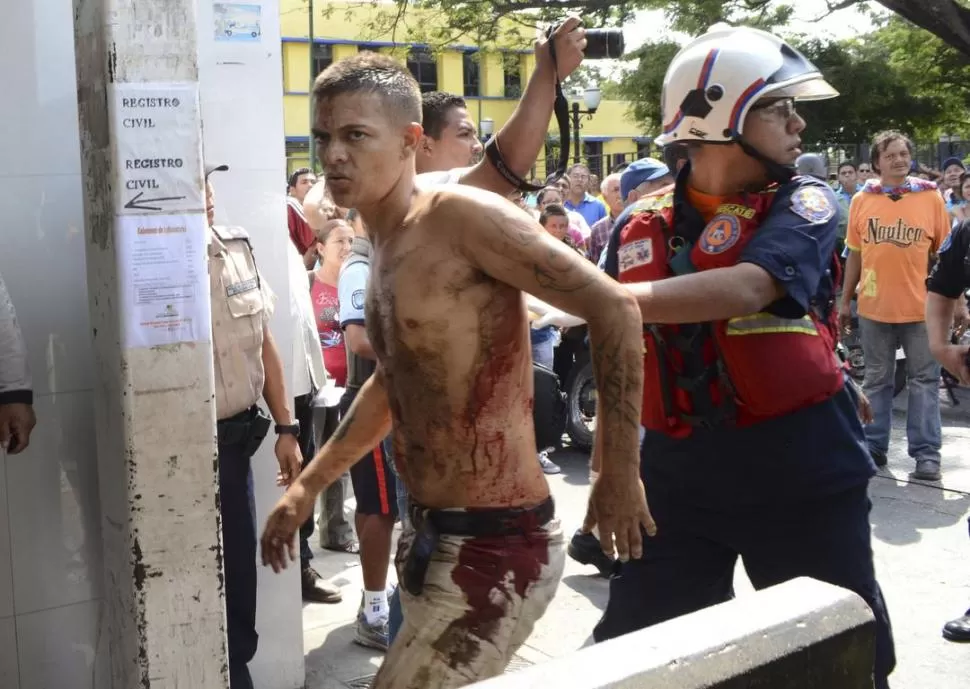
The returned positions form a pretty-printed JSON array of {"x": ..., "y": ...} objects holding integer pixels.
[
  {"x": 483, "y": 522},
  {"x": 476, "y": 522},
  {"x": 248, "y": 426}
]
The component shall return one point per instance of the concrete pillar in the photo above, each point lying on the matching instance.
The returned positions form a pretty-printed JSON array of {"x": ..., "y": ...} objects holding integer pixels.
[{"x": 137, "y": 74}]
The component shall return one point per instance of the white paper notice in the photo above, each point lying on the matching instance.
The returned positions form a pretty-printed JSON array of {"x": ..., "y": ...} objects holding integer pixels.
[
  {"x": 165, "y": 280},
  {"x": 156, "y": 128}
]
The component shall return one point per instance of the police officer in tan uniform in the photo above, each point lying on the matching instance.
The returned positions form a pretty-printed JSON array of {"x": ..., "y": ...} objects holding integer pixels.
[{"x": 247, "y": 366}]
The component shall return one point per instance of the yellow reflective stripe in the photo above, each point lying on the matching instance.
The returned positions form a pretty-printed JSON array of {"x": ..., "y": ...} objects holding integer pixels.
[{"x": 761, "y": 323}]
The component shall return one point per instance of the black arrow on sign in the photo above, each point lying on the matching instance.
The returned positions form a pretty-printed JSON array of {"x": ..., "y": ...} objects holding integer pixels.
[{"x": 139, "y": 205}]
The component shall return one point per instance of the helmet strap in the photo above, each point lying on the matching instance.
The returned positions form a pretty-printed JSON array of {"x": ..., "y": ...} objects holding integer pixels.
[{"x": 777, "y": 172}]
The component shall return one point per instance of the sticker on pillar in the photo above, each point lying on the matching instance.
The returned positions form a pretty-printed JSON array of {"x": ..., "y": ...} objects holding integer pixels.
[
  {"x": 237, "y": 22},
  {"x": 157, "y": 158},
  {"x": 164, "y": 276}
]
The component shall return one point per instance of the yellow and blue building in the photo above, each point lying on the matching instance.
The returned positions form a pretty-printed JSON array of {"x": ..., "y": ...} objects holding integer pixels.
[{"x": 491, "y": 80}]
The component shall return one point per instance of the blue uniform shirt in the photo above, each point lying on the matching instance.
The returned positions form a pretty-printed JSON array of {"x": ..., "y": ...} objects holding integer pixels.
[
  {"x": 951, "y": 273},
  {"x": 351, "y": 291},
  {"x": 816, "y": 451}
]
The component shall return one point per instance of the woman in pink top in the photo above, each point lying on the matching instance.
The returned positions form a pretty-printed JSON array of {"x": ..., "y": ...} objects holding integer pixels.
[
  {"x": 333, "y": 246},
  {"x": 578, "y": 229}
]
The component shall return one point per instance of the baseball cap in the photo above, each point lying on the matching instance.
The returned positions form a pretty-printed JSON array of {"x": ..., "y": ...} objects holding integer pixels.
[
  {"x": 210, "y": 168},
  {"x": 810, "y": 164},
  {"x": 640, "y": 171},
  {"x": 953, "y": 161}
]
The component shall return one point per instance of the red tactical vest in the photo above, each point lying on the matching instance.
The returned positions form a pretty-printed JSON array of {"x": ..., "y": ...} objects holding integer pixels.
[{"x": 740, "y": 371}]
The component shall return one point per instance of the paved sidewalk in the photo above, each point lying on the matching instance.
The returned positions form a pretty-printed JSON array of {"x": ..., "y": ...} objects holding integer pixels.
[{"x": 921, "y": 546}]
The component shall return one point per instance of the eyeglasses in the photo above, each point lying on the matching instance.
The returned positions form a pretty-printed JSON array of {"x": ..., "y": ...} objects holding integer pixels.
[
  {"x": 783, "y": 108},
  {"x": 864, "y": 169}
]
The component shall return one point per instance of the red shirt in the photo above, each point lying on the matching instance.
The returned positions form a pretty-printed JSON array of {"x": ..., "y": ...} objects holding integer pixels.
[
  {"x": 300, "y": 232},
  {"x": 326, "y": 312}
]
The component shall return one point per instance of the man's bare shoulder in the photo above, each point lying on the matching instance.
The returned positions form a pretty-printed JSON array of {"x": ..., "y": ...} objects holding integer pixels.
[
  {"x": 472, "y": 208},
  {"x": 457, "y": 198}
]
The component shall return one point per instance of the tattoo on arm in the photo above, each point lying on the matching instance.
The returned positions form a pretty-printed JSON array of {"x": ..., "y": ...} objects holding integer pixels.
[
  {"x": 513, "y": 231},
  {"x": 560, "y": 274},
  {"x": 617, "y": 369},
  {"x": 554, "y": 269}
]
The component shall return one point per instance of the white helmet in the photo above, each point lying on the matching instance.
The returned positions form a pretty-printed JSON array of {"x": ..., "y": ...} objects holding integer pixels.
[{"x": 712, "y": 83}]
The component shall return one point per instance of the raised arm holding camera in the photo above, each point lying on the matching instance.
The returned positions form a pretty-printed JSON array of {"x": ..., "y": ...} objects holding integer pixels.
[{"x": 448, "y": 150}]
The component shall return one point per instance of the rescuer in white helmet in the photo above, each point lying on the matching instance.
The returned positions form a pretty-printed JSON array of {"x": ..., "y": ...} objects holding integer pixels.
[{"x": 753, "y": 445}]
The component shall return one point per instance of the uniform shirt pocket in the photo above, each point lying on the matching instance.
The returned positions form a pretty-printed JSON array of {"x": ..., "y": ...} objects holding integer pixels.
[{"x": 243, "y": 299}]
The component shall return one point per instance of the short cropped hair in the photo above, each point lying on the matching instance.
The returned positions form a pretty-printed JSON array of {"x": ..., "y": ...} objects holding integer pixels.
[
  {"x": 848, "y": 163},
  {"x": 374, "y": 73},
  {"x": 553, "y": 209},
  {"x": 295, "y": 177},
  {"x": 609, "y": 178},
  {"x": 435, "y": 106},
  {"x": 881, "y": 141}
]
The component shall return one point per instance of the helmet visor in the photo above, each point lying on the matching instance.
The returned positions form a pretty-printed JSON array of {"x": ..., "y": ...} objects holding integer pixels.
[{"x": 806, "y": 88}]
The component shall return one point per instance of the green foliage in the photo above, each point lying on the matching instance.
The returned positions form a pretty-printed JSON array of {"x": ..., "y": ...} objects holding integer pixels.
[
  {"x": 933, "y": 71},
  {"x": 696, "y": 16},
  {"x": 898, "y": 75},
  {"x": 593, "y": 74},
  {"x": 643, "y": 85},
  {"x": 873, "y": 94}
]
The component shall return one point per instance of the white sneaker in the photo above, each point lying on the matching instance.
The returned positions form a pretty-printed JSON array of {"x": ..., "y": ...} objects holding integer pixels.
[{"x": 548, "y": 466}]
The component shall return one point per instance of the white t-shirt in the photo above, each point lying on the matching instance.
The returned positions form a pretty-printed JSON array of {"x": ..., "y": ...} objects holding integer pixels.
[{"x": 308, "y": 372}]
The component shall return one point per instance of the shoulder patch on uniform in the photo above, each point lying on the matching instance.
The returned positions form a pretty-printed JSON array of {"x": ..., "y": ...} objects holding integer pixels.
[
  {"x": 635, "y": 254},
  {"x": 721, "y": 234},
  {"x": 812, "y": 204},
  {"x": 357, "y": 299}
]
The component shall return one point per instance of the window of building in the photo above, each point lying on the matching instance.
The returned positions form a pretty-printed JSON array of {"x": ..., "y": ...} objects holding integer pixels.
[
  {"x": 593, "y": 153},
  {"x": 322, "y": 57},
  {"x": 512, "y": 67},
  {"x": 424, "y": 67},
  {"x": 618, "y": 159},
  {"x": 471, "y": 69},
  {"x": 297, "y": 155},
  {"x": 643, "y": 149}
]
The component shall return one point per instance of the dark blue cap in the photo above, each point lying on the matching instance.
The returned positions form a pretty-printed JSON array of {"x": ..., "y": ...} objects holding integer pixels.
[{"x": 640, "y": 171}]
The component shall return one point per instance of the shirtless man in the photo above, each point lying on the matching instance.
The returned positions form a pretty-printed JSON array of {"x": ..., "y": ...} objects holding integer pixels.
[{"x": 448, "y": 323}]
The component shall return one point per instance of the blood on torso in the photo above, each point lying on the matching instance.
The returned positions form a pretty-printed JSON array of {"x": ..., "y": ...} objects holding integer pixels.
[{"x": 454, "y": 346}]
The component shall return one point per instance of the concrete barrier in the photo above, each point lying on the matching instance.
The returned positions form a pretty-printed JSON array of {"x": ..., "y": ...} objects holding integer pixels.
[{"x": 802, "y": 634}]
